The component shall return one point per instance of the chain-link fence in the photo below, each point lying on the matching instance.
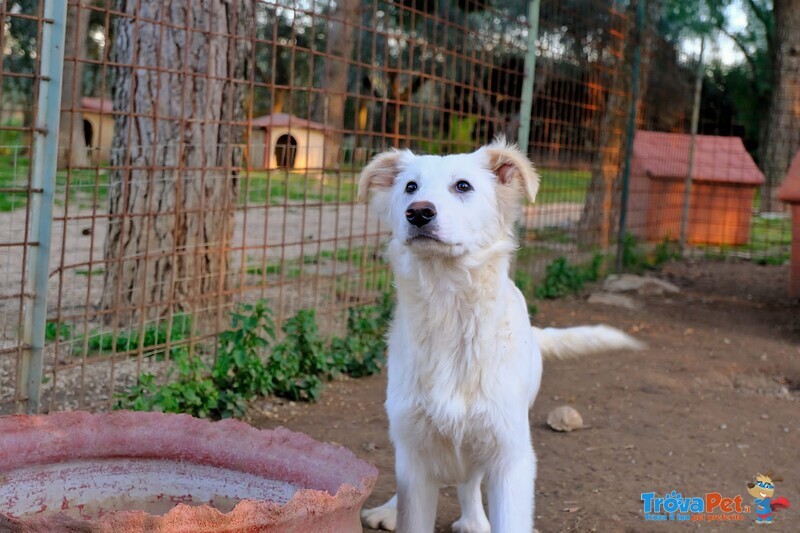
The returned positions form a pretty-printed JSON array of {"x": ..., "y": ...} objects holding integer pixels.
[{"x": 208, "y": 151}]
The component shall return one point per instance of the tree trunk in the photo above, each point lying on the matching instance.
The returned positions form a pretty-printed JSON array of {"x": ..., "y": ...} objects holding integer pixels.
[
  {"x": 71, "y": 142},
  {"x": 782, "y": 136},
  {"x": 329, "y": 105},
  {"x": 180, "y": 92}
]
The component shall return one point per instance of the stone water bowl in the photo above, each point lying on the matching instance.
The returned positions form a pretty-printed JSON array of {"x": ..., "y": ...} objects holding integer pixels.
[{"x": 124, "y": 471}]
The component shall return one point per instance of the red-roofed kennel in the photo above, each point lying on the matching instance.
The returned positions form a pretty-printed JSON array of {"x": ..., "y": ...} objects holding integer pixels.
[{"x": 724, "y": 180}]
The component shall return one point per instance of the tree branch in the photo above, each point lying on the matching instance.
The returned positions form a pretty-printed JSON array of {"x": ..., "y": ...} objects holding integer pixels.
[
  {"x": 761, "y": 15},
  {"x": 741, "y": 47}
]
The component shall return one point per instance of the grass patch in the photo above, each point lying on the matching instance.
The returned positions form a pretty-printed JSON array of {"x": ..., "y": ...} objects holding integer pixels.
[
  {"x": 77, "y": 185},
  {"x": 770, "y": 243},
  {"x": 13, "y": 175},
  {"x": 767, "y": 233},
  {"x": 276, "y": 187},
  {"x": 563, "y": 186},
  {"x": 151, "y": 340},
  {"x": 86, "y": 272}
]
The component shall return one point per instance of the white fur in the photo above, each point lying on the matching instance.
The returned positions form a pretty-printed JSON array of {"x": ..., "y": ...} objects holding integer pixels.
[{"x": 464, "y": 363}]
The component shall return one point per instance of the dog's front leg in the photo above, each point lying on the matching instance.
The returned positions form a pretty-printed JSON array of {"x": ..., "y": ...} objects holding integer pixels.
[
  {"x": 417, "y": 494},
  {"x": 473, "y": 518},
  {"x": 511, "y": 485}
]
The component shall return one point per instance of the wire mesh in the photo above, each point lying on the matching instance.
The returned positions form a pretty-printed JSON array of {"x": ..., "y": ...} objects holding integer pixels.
[{"x": 210, "y": 153}]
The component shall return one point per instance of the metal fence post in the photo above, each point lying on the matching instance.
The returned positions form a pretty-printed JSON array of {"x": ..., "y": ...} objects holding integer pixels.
[
  {"x": 626, "y": 174},
  {"x": 530, "y": 74},
  {"x": 687, "y": 190},
  {"x": 43, "y": 181}
]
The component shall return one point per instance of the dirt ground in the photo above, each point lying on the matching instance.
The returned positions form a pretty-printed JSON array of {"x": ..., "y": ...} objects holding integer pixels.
[{"x": 711, "y": 403}]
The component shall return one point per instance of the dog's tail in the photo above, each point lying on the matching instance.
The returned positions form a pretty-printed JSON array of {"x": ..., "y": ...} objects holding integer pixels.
[{"x": 565, "y": 343}]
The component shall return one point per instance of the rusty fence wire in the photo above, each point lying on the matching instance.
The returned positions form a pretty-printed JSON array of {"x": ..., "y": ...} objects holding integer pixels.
[{"x": 208, "y": 153}]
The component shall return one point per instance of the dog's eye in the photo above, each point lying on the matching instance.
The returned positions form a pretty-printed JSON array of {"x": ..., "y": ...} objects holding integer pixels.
[
  {"x": 411, "y": 187},
  {"x": 463, "y": 186}
]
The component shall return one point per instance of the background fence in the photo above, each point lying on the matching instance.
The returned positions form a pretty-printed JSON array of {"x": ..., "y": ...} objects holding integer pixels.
[{"x": 207, "y": 154}]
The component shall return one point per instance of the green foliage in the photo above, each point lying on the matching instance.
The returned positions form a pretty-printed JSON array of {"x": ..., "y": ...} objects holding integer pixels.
[
  {"x": 239, "y": 374},
  {"x": 562, "y": 278},
  {"x": 297, "y": 363},
  {"x": 458, "y": 140},
  {"x": 152, "y": 339},
  {"x": 190, "y": 392},
  {"x": 633, "y": 257},
  {"x": 294, "y": 368},
  {"x": 665, "y": 251},
  {"x": 362, "y": 352},
  {"x": 54, "y": 331}
]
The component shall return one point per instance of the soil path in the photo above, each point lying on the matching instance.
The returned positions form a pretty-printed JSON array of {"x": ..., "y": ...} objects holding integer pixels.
[{"x": 711, "y": 403}]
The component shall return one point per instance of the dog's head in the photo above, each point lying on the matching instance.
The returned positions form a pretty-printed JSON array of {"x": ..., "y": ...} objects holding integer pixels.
[{"x": 450, "y": 205}]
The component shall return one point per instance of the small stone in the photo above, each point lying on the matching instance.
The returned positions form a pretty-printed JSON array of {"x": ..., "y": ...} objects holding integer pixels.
[
  {"x": 615, "y": 300},
  {"x": 765, "y": 416},
  {"x": 644, "y": 285},
  {"x": 564, "y": 418},
  {"x": 723, "y": 426}
]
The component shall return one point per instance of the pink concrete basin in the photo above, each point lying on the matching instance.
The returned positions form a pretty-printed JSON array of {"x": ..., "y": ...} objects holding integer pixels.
[{"x": 126, "y": 472}]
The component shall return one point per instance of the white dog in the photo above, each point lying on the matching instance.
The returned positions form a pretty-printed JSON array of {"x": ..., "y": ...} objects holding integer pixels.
[{"x": 464, "y": 362}]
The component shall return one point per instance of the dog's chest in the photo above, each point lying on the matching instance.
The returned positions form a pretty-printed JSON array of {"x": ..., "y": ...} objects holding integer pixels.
[{"x": 453, "y": 363}]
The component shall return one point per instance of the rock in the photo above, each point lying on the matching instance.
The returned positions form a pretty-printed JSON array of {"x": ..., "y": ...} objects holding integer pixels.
[
  {"x": 564, "y": 418},
  {"x": 643, "y": 285},
  {"x": 616, "y": 300}
]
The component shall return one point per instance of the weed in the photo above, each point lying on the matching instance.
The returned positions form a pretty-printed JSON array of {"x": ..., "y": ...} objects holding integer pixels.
[
  {"x": 294, "y": 368},
  {"x": 151, "y": 339},
  {"x": 239, "y": 374},
  {"x": 665, "y": 251},
  {"x": 191, "y": 392},
  {"x": 633, "y": 258},
  {"x": 57, "y": 331},
  {"x": 561, "y": 279},
  {"x": 363, "y": 351},
  {"x": 297, "y": 363}
]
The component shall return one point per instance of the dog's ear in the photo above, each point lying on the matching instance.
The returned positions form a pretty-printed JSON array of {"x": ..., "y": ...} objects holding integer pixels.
[
  {"x": 510, "y": 166},
  {"x": 380, "y": 173}
]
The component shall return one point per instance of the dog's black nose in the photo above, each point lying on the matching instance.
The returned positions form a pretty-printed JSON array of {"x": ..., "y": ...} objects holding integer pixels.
[{"x": 420, "y": 213}]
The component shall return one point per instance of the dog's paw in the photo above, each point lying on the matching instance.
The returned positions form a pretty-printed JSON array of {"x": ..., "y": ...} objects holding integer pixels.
[
  {"x": 462, "y": 525},
  {"x": 383, "y": 517}
]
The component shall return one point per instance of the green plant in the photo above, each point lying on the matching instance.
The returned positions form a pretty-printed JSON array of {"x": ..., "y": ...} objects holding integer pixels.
[
  {"x": 55, "y": 331},
  {"x": 192, "y": 391},
  {"x": 239, "y": 373},
  {"x": 295, "y": 367},
  {"x": 362, "y": 352},
  {"x": 776, "y": 259},
  {"x": 151, "y": 339},
  {"x": 297, "y": 362},
  {"x": 633, "y": 258},
  {"x": 665, "y": 251},
  {"x": 560, "y": 279}
]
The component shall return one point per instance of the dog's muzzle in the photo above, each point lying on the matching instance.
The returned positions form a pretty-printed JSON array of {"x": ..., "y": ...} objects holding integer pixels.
[{"x": 420, "y": 213}]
